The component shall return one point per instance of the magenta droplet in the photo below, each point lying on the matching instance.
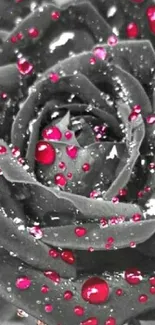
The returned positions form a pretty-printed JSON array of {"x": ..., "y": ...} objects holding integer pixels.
[
  {"x": 16, "y": 152},
  {"x": 86, "y": 167},
  {"x": 136, "y": 217},
  {"x": 150, "y": 119},
  {"x": 33, "y": 32},
  {"x": 92, "y": 61},
  {"x": 123, "y": 192},
  {"x": 36, "y": 232},
  {"x": 103, "y": 222},
  {"x": 133, "y": 276},
  {"x": 68, "y": 295},
  {"x": 62, "y": 165},
  {"x": 112, "y": 40},
  {"x": 78, "y": 310},
  {"x": 143, "y": 299},
  {"x": 72, "y": 151},
  {"x": 60, "y": 180},
  {"x": 23, "y": 283},
  {"x": 53, "y": 253},
  {"x": 152, "y": 281},
  {"x": 80, "y": 231},
  {"x": 70, "y": 175},
  {"x": 68, "y": 135},
  {"x": 48, "y": 308},
  {"x": 119, "y": 292},
  {"x": 3, "y": 150},
  {"x": 132, "y": 30},
  {"x": 110, "y": 321},
  {"x": 55, "y": 15},
  {"x": 132, "y": 244},
  {"x": 137, "y": 109},
  {"x": 24, "y": 67},
  {"x": 151, "y": 18},
  {"x": 152, "y": 290},
  {"x": 52, "y": 133},
  {"x": 68, "y": 257},
  {"x": 133, "y": 116},
  {"x": 95, "y": 290},
  {"x": 90, "y": 321},
  {"x": 44, "y": 289},
  {"x": 54, "y": 77},
  {"x": 52, "y": 275},
  {"x": 100, "y": 53},
  {"x": 45, "y": 153},
  {"x": 94, "y": 194}
]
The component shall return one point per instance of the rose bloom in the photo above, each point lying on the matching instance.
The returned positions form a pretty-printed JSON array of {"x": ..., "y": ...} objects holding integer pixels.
[{"x": 77, "y": 162}]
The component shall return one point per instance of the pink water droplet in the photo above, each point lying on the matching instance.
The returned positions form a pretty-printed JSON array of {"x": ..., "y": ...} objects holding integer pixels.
[
  {"x": 123, "y": 192},
  {"x": 137, "y": 109},
  {"x": 55, "y": 15},
  {"x": 52, "y": 133},
  {"x": 53, "y": 253},
  {"x": 3, "y": 150},
  {"x": 62, "y": 165},
  {"x": 20, "y": 36},
  {"x": 115, "y": 199},
  {"x": 33, "y": 32},
  {"x": 15, "y": 152},
  {"x": 86, "y": 167},
  {"x": 110, "y": 240},
  {"x": 45, "y": 153},
  {"x": 54, "y": 77},
  {"x": 152, "y": 165},
  {"x": 36, "y": 232},
  {"x": 110, "y": 321},
  {"x": 90, "y": 321},
  {"x": 92, "y": 61},
  {"x": 60, "y": 180},
  {"x": 119, "y": 292},
  {"x": 112, "y": 40},
  {"x": 133, "y": 276},
  {"x": 78, "y": 310},
  {"x": 91, "y": 249},
  {"x": 136, "y": 217},
  {"x": 4, "y": 96},
  {"x": 14, "y": 39},
  {"x": 48, "y": 308},
  {"x": 108, "y": 246},
  {"x": 23, "y": 283},
  {"x": 68, "y": 257},
  {"x": 132, "y": 244},
  {"x": 133, "y": 116},
  {"x": 72, "y": 151},
  {"x": 143, "y": 299},
  {"x": 152, "y": 281},
  {"x": 52, "y": 275},
  {"x": 80, "y": 231},
  {"x": 68, "y": 135},
  {"x": 151, "y": 18},
  {"x": 140, "y": 194},
  {"x": 70, "y": 175},
  {"x": 132, "y": 30},
  {"x": 44, "y": 289},
  {"x": 21, "y": 161},
  {"x": 152, "y": 290},
  {"x": 24, "y": 66},
  {"x": 68, "y": 295},
  {"x": 94, "y": 194},
  {"x": 100, "y": 53},
  {"x": 147, "y": 189},
  {"x": 103, "y": 222},
  {"x": 150, "y": 119},
  {"x": 95, "y": 290}
]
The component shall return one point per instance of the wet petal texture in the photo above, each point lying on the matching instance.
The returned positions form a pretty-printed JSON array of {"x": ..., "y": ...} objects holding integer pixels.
[{"x": 77, "y": 162}]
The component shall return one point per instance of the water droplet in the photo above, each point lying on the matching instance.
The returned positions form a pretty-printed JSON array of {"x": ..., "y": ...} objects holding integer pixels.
[
  {"x": 68, "y": 295},
  {"x": 110, "y": 321},
  {"x": 54, "y": 77},
  {"x": 133, "y": 276},
  {"x": 33, "y": 32},
  {"x": 119, "y": 292},
  {"x": 112, "y": 40},
  {"x": 103, "y": 222},
  {"x": 143, "y": 299},
  {"x": 60, "y": 180},
  {"x": 44, "y": 289},
  {"x": 90, "y": 321},
  {"x": 24, "y": 66},
  {"x": 16, "y": 152},
  {"x": 52, "y": 133},
  {"x": 80, "y": 231},
  {"x": 55, "y": 15},
  {"x": 52, "y": 275},
  {"x": 45, "y": 153},
  {"x": 3, "y": 150},
  {"x": 68, "y": 135},
  {"x": 151, "y": 18},
  {"x": 92, "y": 61},
  {"x": 62, "y": 165},
  {"x": 36, "y": 232},
  {"x": 68, "y": 257},
  {"x": 137, "y": 109},
  {"x": 150, "y": 119},
  {"x": 132, "y": 30},
  {"x": 100, "y": 53},
  {"x": 23, "y": 283},
  {"x": 78, "y": 310},
  {"x": 86, "y": 167},
  {"x": 95, "y": 290},
  {"x": 136, "y": 217},
  {"x": 72, "y": 151},
  {"x": 48, "y": 308},
  {"x": 152, "y": 281},
  {"x": 123, "y": 192},
  {"x": 152, "y": 290},
  {"x": 133, "y": 116},
  {"x": 54, "y": 253}
]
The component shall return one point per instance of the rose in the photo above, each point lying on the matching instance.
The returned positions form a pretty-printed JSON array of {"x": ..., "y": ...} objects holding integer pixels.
[{"x": 79, "y": 215}]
